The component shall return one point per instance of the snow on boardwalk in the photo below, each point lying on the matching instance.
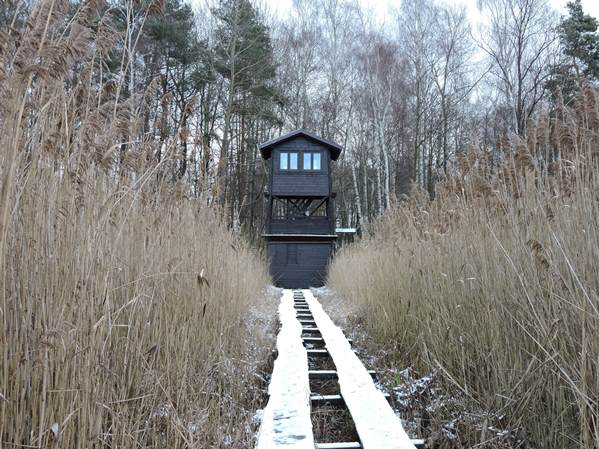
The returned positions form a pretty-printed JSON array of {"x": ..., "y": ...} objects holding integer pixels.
[
  {"x": 376, "y": 423},
  {"x": 286, "y": 419}
]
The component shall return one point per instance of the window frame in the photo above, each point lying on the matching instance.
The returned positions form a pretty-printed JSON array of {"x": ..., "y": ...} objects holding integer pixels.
[
  {"x": 319, "y": 160},
  {"x": 281, "y": 155},
  {"x": 311, "y": 155},
  {"x": 291, "y": 154},
  {"x": 289, "y": 159}
]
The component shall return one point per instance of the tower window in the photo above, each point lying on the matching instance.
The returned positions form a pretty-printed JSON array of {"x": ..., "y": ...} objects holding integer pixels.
[
  {"x": 288, "y": 161},
  {"x": 312, "y": 161}
]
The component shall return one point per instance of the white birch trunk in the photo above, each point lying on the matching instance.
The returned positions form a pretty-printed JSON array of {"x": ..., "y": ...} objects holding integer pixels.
[
  {"x": 387, "y": 193},
  {"x": 357, "y": 194},
  {"x": 366, "y": 201},
  {"x": 385, "y": 153},
  {"x": 379, "y": 190}
]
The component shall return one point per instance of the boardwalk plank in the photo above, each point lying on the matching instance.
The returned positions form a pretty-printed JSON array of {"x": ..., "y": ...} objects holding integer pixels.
[
  {"x": 286, "y": 419},
  {"x": 376, "y": 423}
]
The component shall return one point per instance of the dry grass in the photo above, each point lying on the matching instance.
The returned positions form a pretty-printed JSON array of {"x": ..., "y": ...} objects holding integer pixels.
[
  {"x": 124, "y": 309},
  {"x": 495, "y": 284}
]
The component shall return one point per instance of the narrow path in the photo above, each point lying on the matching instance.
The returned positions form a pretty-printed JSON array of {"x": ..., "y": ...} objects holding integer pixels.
[
  {"x": 309, "y": 336},
  {"x": 286, "y": 419}
]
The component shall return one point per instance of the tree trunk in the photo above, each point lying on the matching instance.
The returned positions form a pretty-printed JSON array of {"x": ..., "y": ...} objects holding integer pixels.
[
  {"x": 379, "y": 190},
  {"x": 356, "y": 193}
]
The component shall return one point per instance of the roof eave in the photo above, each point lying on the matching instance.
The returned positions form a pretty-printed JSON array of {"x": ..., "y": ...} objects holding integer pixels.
[{"x": 266, "y": 147}]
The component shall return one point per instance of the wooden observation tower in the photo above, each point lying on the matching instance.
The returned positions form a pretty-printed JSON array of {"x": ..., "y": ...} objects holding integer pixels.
[{"x": 300, "y": 222}]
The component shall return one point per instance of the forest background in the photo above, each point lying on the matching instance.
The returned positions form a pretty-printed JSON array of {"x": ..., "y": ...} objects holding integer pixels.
[{"x": 403, "y": 100}]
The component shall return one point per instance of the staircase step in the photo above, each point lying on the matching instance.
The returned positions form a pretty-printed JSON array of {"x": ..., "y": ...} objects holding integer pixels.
[
  {"x": 316, "y": 339},
  {"x": 318, "y": 400},
  {"x": 317, "y": 353},
  {"x": 325, "y": 374},
  {"x": 419, "y": 443},
  {"x": 313, "y": 339},
  {"x": 353, "y": 445},
  {"x": 335, "y": 400}
]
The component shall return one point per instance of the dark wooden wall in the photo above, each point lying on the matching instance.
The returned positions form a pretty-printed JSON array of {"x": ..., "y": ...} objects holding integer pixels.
[
  {"x": 300, "y": 182},
  {"x": 312, "y": 225},
  {"x": 299, "y": 264}
]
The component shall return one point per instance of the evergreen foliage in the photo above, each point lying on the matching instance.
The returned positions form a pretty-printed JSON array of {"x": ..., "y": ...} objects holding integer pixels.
[
  {"x": 580, "y": 39},
  {"x": 244, "y": 56},
  {"x": 580, "y": 46}
]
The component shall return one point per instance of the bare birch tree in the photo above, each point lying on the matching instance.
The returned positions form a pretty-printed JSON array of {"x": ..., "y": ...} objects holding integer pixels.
[
  {"x": 451, "y": 72},
  {"x": 520, "y": 39}
]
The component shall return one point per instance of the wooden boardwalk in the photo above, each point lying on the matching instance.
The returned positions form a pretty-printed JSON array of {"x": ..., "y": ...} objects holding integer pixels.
[{"x": 286, "y": 420}]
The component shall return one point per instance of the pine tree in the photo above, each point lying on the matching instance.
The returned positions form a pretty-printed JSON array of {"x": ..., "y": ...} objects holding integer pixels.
[
  {"x": 578, "y": 34},
  {"x": 244, "y": 59},
  {"x": 243, "y": 47},
  {"x": 580, "y": 46},
  {"x": 182, "y": 61}
]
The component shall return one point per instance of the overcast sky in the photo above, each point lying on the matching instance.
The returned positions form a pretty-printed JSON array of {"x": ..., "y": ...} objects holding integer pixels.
[{"x": 381, "y": 8}]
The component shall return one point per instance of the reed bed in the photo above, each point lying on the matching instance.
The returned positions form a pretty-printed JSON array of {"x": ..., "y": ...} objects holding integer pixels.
[
  {"x": 124, "y": 312},
  {"x": 494, "y": 284}
]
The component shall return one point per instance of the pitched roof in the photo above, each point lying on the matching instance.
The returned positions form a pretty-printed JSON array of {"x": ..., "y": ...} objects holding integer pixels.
[{"x": 266, "y": 147}]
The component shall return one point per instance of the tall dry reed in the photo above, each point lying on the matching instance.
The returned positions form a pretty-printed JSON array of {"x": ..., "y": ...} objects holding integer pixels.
[
  {"x": 124, "y": 300},
  {"x": 494, "y": 285}
]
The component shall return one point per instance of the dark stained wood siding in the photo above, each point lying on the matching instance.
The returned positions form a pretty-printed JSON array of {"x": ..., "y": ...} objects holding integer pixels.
[
  {"x": 299, "y": 264},
  {"x": 312, "y": 225},
  {"x": 300, "y": 182}
]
